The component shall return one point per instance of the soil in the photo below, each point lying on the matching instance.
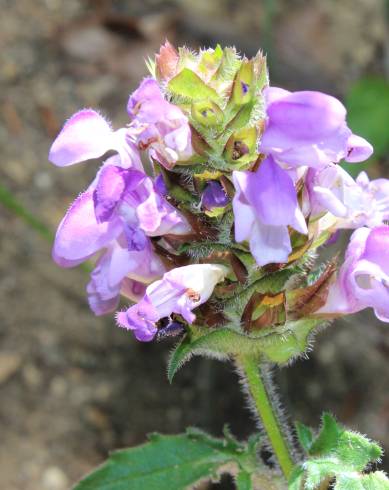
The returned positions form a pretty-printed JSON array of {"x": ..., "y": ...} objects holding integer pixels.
[{"x": 73, "y": 386}]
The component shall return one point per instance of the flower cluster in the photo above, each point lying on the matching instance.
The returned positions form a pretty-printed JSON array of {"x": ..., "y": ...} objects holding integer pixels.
[{"x": 216, "y": 180}]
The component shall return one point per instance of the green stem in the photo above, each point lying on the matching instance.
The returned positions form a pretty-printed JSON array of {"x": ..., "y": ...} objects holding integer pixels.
[{"x": 257, "y": 390}]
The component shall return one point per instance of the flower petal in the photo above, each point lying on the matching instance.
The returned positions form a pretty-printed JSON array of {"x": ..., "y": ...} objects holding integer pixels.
[
  {"x": 270, "y": 244},
  {"x": 272, "y": 193},
  {"x": 109, "y": 190},
  {"x": 359, "y": 149},
  {"x": 79, "y": 235},
  {"x": 85, "y": 135},
  {"x": 244, "y": 217},
  {"x": 307, "y": 115},
  {"x": 272, "y": 94},
  {"x": 377, "y": 248}
]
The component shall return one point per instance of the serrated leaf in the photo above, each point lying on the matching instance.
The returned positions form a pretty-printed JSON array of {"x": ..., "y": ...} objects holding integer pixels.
[
  {"x": 163, "y": 463},
  {"x": 348, "y": 482},
  {"x": 305, "y": 436},
  {"x": 357, "y": 450},
  {"x": 341, "y": 455},
  {"x": 372, "y": 481},
  {"x": 244, "y": 481},
  {"x": 189, "y": 85},
  {"x": 328, "y": 437},
  {"x": 375, "y": 481},
  {"x": 321, "y": 469}
]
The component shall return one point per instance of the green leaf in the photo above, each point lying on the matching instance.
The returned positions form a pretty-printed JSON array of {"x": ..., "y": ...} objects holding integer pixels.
[
  {"x": 375, "y": 481},
  {"x": 244, "y": 481},
  {"x": 189, "y": 85},
  {"x": 348, "y": 482},
  {"x": 163, "y": 463},
  {"x": 372, "y": 481},
  {"x": 328, "y": 437},
  {"x": 357, "y": 450},
  {"x": 304, "y": 435},
  {"x": 339, "y": 454},
  {"x": 319, "y": 470}
]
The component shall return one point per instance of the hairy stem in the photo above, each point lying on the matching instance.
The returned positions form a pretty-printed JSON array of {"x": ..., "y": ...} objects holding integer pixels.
[{"x": 250, "y": 371}]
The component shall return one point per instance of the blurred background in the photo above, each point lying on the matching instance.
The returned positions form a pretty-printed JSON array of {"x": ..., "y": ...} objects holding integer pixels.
[{"x": 72, "y": 386}]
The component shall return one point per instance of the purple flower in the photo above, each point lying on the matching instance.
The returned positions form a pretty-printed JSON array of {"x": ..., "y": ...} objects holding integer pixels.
[
  {"x": 118, "y": 213},
  {"x": 214, "y": 196},
  {"x": 121, "y": 271},
  {"x": 363, "y": 279},
  {"x": 133, "y": 196},
  {"x": 179, "y": 291},
  {"x": 355, "y": 203},
  {"x": 264, "y": 206},
  {"x": 88, "y": 135},
  {"x": 120, "y": 201},
  {"x": 159, "y": 126},
  {"x": 309, "y": 128}
]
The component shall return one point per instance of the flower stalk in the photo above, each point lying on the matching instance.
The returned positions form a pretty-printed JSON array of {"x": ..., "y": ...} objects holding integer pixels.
[{"x": 251, "y": 373}]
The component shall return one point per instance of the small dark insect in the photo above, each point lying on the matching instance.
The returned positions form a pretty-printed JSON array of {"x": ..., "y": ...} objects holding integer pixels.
[{"x": 170, "y": 328}]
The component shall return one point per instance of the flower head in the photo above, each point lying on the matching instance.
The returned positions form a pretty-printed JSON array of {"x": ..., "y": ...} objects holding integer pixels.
[{"x": 158, "y": 214}]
